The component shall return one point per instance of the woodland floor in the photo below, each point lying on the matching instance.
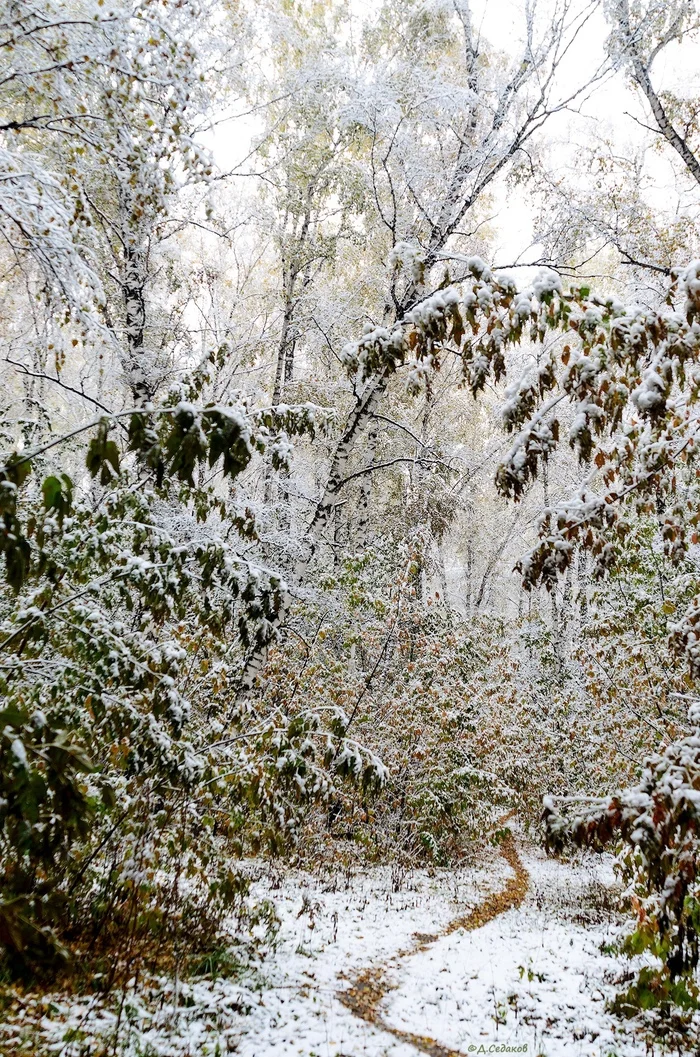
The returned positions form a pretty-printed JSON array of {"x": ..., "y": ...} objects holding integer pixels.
[{"x": 502, "y": 957}]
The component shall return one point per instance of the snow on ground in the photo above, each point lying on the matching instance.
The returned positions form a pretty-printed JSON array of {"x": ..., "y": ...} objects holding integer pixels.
[
  {"x": 331, "y": 932},
  {"x": 331, "y": 927},
  {"x": 533, "y": 977}
]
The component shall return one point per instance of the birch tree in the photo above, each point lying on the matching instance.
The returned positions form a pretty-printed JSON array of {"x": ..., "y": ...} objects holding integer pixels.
[{"x": 440, "y": 123}]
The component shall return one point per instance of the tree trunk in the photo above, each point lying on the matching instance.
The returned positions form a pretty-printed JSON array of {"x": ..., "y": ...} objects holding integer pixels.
[{"x": 140, "y": 379}]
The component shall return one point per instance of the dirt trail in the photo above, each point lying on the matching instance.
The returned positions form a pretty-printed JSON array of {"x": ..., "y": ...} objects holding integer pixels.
[{"x": 369, "y": 988}]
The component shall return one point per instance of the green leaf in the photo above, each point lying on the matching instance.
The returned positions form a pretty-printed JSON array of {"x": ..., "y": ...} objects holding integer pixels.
[
  {"x": 103, "y": 456},
  {"x": 16, "y": 470},
  {"x": 17, "y": 558},
  {"x": 58, "y": 494},
  {"x": 51, "y": 491}
]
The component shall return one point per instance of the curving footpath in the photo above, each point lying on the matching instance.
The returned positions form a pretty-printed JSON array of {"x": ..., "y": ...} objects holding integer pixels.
[{"x": 369, "y": 988}]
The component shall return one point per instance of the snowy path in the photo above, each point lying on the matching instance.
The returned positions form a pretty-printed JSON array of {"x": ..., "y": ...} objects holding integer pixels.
[
  {"x": 501, "y": 957},
  {"x": 367, "y": 972},
  {"x": 366, "y": 996},
  {"x": 533, "y": 978}
]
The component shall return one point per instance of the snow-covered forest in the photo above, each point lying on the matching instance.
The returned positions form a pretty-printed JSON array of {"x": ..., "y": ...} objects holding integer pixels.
[{"x": 349, "y": 518}]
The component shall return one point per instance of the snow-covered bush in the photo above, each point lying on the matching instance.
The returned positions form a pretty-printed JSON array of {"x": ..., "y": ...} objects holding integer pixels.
[
  {"x": 656, "y": 823},
  {"x": 114, "y": 591}
]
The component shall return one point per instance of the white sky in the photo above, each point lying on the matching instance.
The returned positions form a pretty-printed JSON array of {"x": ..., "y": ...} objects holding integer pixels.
[{"x": 611, "y": 108}]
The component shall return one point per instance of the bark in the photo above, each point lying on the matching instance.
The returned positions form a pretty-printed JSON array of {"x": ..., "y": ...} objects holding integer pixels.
[
  {"x": 282, "y": 355},
  {"x": 284, "y": 370},
  {"x": 365, "y": 499},
  {"x": 583, "y": 578},
  {"x": 640, "y": 69},
  {"x": 140, "y": 383},
  {"x": 469, "y": 576}
]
